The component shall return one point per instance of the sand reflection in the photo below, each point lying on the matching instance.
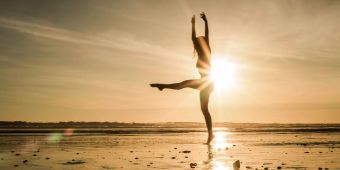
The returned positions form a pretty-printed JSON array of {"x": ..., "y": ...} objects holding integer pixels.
[
  {"x": 218, "y": 158},
  {"x": 221, "y": 141}
]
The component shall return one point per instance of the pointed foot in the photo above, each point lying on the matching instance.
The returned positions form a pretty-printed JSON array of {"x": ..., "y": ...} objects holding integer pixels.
[{"x": 159, "y": 86}]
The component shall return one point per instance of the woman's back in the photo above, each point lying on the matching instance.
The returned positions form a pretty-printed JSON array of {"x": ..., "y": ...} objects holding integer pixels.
[{"x": 203, "y": 51}]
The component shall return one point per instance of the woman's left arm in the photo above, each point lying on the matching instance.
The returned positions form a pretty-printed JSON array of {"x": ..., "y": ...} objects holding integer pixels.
[{"x": 206, "y": 26}]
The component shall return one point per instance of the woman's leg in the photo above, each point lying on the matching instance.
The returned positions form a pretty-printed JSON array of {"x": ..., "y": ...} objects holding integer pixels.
[
  {"x": 194, "y": 83},
  {"x": 204, "y": 99}
]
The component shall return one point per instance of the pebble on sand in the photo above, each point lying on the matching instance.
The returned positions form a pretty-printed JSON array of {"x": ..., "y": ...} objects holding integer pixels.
[
  {"x": 17, "y": 154},
  {"x": 75, "y": 162},
  {"x": 186, "y": 151},
  {"x": 47, "y": 158},
  {"x": 24, "y": 161},
  {"x": 237, "y": 164},
  {"x": 193, "y": 165}
]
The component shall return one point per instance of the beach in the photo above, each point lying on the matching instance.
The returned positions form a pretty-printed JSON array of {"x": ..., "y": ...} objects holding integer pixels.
[{"x": 171, "y": 148}]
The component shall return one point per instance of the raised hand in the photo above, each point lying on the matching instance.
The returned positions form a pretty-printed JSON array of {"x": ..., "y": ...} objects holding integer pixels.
[
  {"x": 203, "y": 16},
  {"x": 193, "y": 19}
]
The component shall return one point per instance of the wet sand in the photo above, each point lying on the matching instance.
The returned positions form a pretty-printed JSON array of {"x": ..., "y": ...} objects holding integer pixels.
[{"x": 254, "y": 150}]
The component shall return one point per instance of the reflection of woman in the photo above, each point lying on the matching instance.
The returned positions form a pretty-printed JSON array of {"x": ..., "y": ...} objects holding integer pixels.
[{"x": 202, "y": 47}]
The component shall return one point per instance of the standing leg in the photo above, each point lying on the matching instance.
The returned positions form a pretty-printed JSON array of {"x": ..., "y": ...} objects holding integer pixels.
[
  {"x": 194, "y": 83},
  {"x": 204, "y": 99}
]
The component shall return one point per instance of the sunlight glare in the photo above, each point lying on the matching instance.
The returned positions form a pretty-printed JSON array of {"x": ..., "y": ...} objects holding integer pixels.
[
  {"x": 223, "y": 74},
  {"x": 220, "y": 141}
]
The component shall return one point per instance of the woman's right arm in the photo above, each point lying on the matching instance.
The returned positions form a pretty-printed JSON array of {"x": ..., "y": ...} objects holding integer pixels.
[{"x": 193, "y": 34}]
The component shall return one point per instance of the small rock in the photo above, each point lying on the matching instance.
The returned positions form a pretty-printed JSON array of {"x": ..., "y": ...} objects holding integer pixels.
[
  {"x": 17, "y": 154},
  {"x": 306, "y": 152},
  {"x": 47, "y": 158},
  {"x": 237, "y": 164},
  {"x": 279, "y": 167},
  {"x": 136, "y": 158},
  {"x": 15, "y": 165},
  {"x": 186, "y": 151},
  {"x": 24, "y": 161},
  {"x": 173, "y": 157},
  {"x": 34, "y": 155},
  {"x": 75, "y": 162},
  {"x": 193, "y": 165}
]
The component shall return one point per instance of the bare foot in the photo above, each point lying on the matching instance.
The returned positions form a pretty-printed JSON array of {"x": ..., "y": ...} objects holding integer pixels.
[
  {"x": 159, "y": 86},
  {"x": 210, "y": 138}
]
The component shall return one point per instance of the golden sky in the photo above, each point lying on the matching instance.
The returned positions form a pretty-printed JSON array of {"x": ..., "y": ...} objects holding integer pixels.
[{"x": 93, "y": 60}]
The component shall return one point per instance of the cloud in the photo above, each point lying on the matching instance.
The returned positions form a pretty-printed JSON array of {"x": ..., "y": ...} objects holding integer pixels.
[{"x": 115, "y": 43}]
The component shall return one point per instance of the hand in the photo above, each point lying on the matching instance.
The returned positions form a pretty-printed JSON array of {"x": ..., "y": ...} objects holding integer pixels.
[
  {"x": 193, "y": 19},
  {"x": 203, "y": 17}
]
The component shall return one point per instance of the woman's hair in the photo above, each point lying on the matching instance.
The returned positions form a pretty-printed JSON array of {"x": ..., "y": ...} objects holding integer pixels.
[{"x": 194, "y": 53}]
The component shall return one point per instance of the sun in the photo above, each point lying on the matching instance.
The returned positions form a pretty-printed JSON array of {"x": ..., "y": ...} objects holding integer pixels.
[{"x": 223, "y": 74}]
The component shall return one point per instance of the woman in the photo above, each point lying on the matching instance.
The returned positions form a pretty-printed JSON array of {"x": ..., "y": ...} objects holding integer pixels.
[{"x": 202, "y": 47}]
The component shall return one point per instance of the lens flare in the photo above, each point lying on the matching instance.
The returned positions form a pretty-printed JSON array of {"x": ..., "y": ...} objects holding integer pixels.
[
  {"x": 55, "y": 137},
  {"x": 68, "y": 132}
]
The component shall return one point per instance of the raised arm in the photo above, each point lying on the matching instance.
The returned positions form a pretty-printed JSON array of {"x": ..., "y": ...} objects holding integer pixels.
[
  {"x": 193, "y": 34},
  {"x": 206, "y": 26}
]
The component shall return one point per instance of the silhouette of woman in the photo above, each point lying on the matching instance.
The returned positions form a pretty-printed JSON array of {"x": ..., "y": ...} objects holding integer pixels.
[{"x": 204, "y": 85}]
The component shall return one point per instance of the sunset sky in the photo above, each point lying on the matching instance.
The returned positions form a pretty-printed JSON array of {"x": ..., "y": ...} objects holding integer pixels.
[{"x": 69, "y": 60}]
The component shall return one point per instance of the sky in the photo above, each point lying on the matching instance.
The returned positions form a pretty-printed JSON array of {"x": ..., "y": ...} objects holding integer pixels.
[{"x": 71, "y": 60}]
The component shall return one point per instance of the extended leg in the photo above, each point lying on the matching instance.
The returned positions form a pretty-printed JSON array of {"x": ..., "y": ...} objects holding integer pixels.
[{"x": 194, "y": 83}]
